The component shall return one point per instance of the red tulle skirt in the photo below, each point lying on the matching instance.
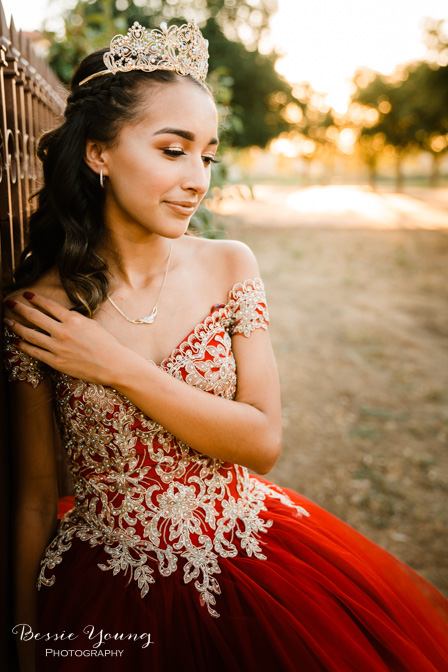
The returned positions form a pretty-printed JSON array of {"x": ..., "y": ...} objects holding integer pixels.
[{"x": 326, "y": 598}]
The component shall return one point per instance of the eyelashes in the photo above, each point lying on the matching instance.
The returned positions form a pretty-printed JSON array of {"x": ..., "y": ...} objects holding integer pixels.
[
  {"x": 175, "y": 153},
  {"x": 210, "y": 159}
]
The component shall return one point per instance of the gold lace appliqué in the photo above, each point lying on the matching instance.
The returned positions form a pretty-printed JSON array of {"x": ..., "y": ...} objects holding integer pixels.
[
  {"x": 20, "y": 366},
  {"x": 248, "y": 307},
  {"x": 147, "y": 498}
]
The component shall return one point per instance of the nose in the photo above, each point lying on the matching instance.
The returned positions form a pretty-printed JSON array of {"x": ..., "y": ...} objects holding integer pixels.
[{"x": 197, "y": 176}]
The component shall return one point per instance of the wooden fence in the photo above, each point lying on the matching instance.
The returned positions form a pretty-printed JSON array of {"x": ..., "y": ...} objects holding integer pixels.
[{"x": 31, "y": 101}]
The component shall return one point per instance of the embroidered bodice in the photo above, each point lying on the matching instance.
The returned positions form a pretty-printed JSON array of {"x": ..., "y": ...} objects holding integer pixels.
[{"x": 146, "y": 497}]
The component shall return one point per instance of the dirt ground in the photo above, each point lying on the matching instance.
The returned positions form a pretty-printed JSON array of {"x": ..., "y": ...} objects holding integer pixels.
[{"x": 359, "y": 324}]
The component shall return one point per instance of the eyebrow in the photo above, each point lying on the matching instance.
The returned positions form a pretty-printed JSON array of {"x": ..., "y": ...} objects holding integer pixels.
[{"x": 183, "y": 134}]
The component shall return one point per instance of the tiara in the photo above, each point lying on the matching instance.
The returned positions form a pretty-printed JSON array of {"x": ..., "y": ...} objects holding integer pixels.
[{"x": 182, "y": 49}]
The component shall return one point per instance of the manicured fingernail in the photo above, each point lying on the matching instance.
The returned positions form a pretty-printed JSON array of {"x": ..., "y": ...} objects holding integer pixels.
[
  {"x": 29, "y": 295},
  {"x": 9, "y": 323},
  {"x": 11, "y": 304}
]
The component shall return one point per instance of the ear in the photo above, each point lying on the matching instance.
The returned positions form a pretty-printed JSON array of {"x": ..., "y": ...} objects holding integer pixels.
[{"x": 94, "y": 158}]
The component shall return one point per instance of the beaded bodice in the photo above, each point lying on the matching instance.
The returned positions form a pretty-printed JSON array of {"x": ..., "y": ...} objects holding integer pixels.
[{"x": 149, "y": 499}]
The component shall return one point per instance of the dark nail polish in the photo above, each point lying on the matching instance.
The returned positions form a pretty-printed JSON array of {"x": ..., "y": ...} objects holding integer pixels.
[
  {"x": 29, "y": 295},
  {"x": 9, "y": 323},
  {"x": 11, "y": 304}
]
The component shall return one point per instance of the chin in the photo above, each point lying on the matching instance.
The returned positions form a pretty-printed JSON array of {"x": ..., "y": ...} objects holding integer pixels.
[{"x": 177, "y": 230}]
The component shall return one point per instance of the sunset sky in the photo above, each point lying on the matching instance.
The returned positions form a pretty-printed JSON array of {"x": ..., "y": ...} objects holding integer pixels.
[{"x": 323, "y": 41}]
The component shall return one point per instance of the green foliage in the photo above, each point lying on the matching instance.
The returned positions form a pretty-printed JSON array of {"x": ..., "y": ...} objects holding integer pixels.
[
  {"x": 428, "y": 86},
  {"x": 412, "y": 111},
  {"x": 87, "y": 26},
  {"x": 396, "y": 113},
  {"x": 253, "y": 81}
]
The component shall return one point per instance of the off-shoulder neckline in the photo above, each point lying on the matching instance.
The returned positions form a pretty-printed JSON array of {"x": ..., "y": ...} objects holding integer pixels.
[
  {"x": 215, "y": 309},
  {"x": 233, "y": 294}
]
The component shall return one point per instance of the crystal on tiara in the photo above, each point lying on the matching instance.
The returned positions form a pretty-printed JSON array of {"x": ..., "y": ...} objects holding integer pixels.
[{"x": 182, "y": 49}]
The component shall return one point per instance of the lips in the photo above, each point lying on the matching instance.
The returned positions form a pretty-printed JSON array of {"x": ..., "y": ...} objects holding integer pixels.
[{"x": 186, "y": 208}]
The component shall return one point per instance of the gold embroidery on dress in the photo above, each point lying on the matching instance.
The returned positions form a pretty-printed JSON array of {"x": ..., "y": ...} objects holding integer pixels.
[
  {"x": 248, "y": 307},
  {"x": 146, "y": 497},
  {"x": 20, "y": 366}
]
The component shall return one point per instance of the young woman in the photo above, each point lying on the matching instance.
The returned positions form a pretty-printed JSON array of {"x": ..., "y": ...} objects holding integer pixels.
[{"x": 152, "y": 347}]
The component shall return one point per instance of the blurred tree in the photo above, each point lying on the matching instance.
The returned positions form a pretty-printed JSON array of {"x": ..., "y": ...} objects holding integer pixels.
[
  {"x": 427, "y": 87},
  {"x": 89, "y": 24},
  {"x": 390, "y": 119},
  {"x": 408, "y": 111},
  {"x": 255, "y": 83},
  {"x": 310, "y": 118}
]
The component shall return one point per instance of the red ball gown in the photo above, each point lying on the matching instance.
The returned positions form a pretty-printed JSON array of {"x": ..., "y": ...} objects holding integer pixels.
[{"x": 170, "y": 559}]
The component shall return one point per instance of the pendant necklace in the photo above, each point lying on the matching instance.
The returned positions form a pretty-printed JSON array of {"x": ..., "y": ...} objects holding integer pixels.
[{"x": 149, "y": 319}]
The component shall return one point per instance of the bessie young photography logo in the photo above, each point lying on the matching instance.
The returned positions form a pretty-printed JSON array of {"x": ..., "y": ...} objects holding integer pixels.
[{"x": 98, "y": 637}]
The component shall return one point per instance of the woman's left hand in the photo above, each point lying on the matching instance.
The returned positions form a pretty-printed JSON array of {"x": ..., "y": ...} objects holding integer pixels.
[{"x": 66, "y": 340}]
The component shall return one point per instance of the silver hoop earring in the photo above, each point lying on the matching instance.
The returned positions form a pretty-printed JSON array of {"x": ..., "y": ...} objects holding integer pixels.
[{"x": 101, "y": 179}]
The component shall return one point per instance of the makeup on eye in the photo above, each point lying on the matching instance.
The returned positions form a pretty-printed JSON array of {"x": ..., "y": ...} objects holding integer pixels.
[
  {"x": 210, "y": 159},
  {"x": 177, "y": 152},
  {"x": 174, "y": 152},
  {"x": 190, "y": 138}
]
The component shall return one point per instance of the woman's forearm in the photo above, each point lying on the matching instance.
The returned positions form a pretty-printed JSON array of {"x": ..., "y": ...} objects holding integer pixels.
[{"x": 231, "y": 431}]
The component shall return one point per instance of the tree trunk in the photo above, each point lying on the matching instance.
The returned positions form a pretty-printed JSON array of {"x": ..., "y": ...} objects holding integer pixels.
[
  {"x": 399, "y": 173},
  {"x": 435, "y": 172},
  {"x": 372, "y": 163}
]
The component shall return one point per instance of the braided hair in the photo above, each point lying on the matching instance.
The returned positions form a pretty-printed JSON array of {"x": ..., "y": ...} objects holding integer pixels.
[{"x": 68, "y": 226}]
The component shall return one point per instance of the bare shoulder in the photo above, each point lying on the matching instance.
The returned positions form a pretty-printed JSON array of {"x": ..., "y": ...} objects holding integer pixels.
[
  {"x": 228, "y": 261},
  {"x": 49, "y": 285}
]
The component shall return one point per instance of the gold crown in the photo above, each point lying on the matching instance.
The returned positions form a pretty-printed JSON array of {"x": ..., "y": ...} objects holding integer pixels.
[{"x": 182, "y": 49}]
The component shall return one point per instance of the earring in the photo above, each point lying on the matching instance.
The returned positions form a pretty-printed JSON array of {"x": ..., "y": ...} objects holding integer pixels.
[{"x": 101, "y": 179}]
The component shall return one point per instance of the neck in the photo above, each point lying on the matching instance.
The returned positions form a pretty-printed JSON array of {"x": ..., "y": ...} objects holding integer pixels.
[{"x": 135, "y": 261}]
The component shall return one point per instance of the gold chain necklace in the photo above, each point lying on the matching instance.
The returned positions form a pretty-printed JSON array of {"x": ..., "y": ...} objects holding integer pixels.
[{"x": 149, "y": 319}]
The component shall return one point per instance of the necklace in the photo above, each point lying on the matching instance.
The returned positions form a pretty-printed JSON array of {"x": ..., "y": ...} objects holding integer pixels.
[{"x": 149, "y": 319}]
